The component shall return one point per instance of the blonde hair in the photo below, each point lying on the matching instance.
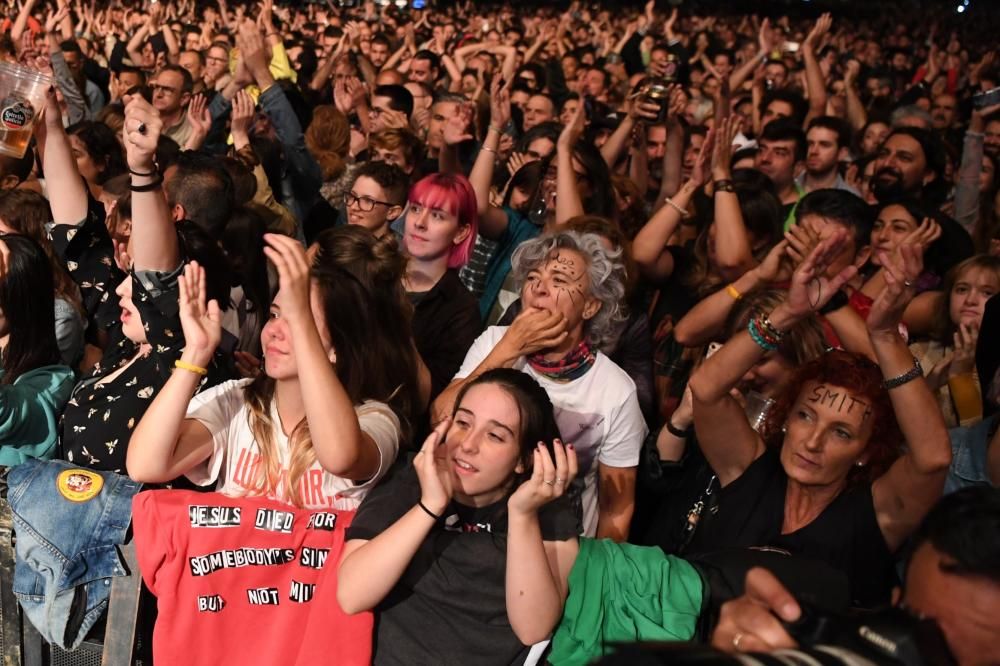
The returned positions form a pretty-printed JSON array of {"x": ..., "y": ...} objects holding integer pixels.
[
  {"x": 354, "y": 272},
  {"x": 267, "y": 478}
]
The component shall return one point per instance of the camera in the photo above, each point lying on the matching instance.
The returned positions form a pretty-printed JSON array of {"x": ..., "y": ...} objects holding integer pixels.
[{"x": 891, "y": 637}]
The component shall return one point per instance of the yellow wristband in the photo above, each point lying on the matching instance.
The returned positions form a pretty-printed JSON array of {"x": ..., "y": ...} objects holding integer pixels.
[
  {"x": 181, "y": 365},
  {"x": 732, "y": 291}
]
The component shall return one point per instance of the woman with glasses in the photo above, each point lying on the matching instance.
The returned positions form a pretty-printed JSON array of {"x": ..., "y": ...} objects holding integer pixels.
[
  {"x": 377, "y": 197},
  {"x": 440, "y": 231}
]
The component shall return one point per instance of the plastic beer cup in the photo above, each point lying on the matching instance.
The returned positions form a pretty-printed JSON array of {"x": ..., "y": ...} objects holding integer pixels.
[{"x": 22, "y": 99}]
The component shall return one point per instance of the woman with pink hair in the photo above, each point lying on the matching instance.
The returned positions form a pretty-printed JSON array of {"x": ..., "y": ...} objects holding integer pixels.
[{"x": 440, "y": 230}]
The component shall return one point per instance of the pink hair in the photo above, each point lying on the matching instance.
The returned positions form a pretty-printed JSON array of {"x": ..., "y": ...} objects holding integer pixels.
[{"x": 452, "y": 193}]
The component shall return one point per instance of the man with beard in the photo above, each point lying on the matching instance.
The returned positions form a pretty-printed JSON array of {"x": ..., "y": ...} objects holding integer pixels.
[
  {"x": 909, "y": 163},
  {"x": 827, "y": 141}
]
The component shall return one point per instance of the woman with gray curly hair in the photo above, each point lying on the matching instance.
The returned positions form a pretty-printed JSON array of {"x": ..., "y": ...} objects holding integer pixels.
[{"x": 572, "y": 288}]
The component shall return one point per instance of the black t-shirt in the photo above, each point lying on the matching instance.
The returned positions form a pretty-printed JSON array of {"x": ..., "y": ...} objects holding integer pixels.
[
  {"x": 449, "y": 606},
  {"x": 445, "y": 324},
  {"x": 846, "y": 534}
]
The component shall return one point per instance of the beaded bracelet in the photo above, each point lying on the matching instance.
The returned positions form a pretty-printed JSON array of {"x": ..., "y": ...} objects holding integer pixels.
[
  {"x": 758, "y": 338},
  {"x": 767, "y": 329},
  {"x": 764, "y": 333}
]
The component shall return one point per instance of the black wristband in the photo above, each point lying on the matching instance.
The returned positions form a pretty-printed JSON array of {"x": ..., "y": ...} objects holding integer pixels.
[
  {"x": 723, "y": 185},
  {"x": 151, "y": 186},
  {"x": 430, "y": 513},
  {"x": 677, "y": 432},
  {"x": 839, "y": 300},
  {"x": 152, "y": 173}
]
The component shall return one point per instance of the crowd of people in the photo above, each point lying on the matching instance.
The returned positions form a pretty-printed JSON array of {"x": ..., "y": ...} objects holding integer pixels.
[{"x": 582, "y": 293}]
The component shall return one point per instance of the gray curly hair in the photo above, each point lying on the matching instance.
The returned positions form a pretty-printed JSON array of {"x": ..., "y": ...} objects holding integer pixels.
[{"x": 606, "y": 272}]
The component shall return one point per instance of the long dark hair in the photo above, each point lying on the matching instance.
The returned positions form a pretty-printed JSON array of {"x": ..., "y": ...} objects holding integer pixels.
[
  {"x": 27, "y": 299},
  {"x": 538, "y": 421},
  {"x": 359, "y": 280},
  {"x": 102, "y": 146}
]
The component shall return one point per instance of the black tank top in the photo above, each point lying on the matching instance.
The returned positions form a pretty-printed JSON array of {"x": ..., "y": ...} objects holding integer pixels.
[{"x": 750, "y": 512}]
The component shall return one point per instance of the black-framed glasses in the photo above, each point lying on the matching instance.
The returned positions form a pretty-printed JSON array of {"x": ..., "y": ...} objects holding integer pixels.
[{"x": 364, "y": 203}]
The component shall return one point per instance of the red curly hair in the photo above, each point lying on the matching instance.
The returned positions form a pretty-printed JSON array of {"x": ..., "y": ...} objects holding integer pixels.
[{"x": 862, "y": 378}]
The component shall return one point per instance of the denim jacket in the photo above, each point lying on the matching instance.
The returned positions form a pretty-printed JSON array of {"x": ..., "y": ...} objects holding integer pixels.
[
  {"x": 69, "y": 523},
  {"x": 968, "y": 455}
]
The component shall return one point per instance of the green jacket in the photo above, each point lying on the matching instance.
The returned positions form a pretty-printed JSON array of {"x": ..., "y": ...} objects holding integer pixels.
[
  {"x": 624, "y": 593},
  {"x": 29, "y": 413}
]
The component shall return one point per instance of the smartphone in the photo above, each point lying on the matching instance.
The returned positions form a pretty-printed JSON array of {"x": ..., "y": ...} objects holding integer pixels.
[
  {"x": 988, "y": 98},
  {"x": 791, "y": 47},
  {"x": 588, "y": 107}
]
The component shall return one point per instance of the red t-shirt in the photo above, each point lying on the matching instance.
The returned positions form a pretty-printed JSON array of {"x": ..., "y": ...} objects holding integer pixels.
[{"x": 245, "y": 580}]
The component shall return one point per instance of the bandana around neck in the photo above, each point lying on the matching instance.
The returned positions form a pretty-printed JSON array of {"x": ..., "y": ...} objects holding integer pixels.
[{"x": 571, "y": 366}]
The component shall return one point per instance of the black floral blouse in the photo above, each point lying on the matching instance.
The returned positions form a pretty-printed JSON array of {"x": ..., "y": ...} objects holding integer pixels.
[
  {"x": 89, "y": 255},
  {"x": 100, "y": 416}
]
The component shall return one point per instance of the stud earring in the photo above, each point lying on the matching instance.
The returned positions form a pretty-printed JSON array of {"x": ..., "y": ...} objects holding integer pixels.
[
  {"x": 784, "y": 430},
  {"x": 860, "y": 463}
]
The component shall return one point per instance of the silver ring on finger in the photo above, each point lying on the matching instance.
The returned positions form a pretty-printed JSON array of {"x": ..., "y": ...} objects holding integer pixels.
[
  {"x": 549, "y": 483},
  {"x": 558, "y": 480},
  {"x": 737, "y": 639},
  {"x": 908, "y": 283}
]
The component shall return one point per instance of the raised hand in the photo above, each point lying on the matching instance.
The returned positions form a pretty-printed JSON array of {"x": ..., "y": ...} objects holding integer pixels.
[
  {"x": 821, "y": 27},
  {"x": 289, "y": 259},
  {"x": 776, "y": 266},
  {"x": 722, "y": 155},
  {"x": 198, "y": 115},
  {"x": 518, "y": 160},
  {"x": 698, "y": 171},
  {"x": 141, "y": 133},
  {"x": 242, "y": 116},
  {"x": 499, "y": 102},
  {"x": 431, "y": 464},
  {"x": 900, "y": 270},
  {"x": 200, "y": 321},
  {"x": 964, "y": 359},
  {"x": 457, "y": 128},
  {"x": 811, "y": 288},
  {"x": 801, "y": 242},
  {"x": 573, "y": 130},
  {"x": 765, "y": 38},
  {"x": 549, "y": 479}
]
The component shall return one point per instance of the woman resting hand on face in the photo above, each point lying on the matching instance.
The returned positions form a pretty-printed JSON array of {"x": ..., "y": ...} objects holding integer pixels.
[{"x": 465, "y": 555}]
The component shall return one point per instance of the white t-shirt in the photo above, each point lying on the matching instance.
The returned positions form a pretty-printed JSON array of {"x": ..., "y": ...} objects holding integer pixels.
[
  {"x": 598, "y": 414},
  {"x": 236, "y": 456}
]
